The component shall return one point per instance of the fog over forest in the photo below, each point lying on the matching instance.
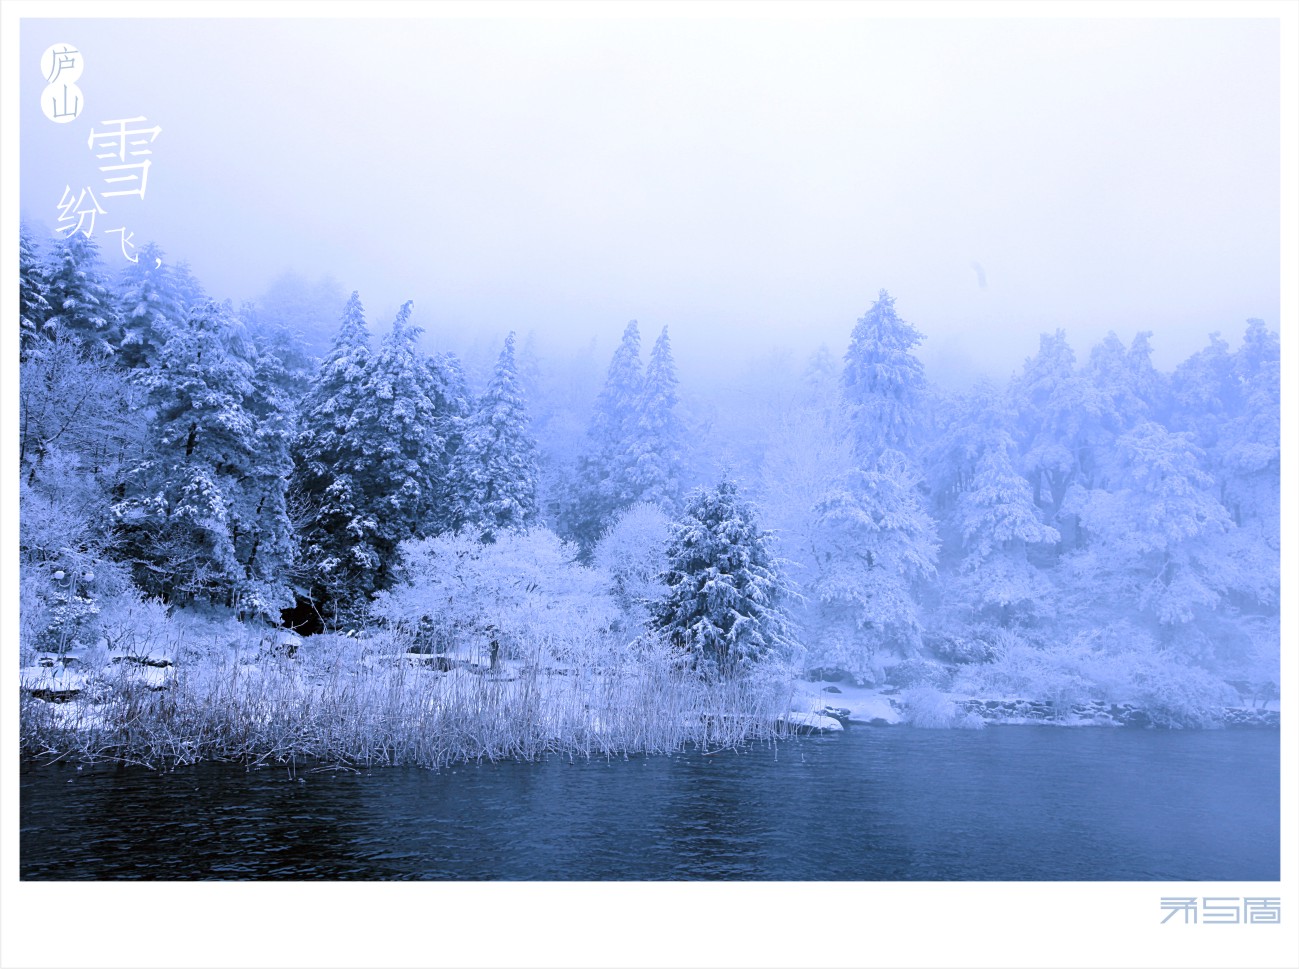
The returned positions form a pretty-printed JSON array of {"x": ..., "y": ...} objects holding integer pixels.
[
  {"x": 750, "y": 184},
  {"x": 935, "y": 360}
]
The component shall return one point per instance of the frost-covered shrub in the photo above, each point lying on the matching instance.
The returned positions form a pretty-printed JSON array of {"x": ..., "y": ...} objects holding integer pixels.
[
  {"x": 831, "y": 656},
  {"x": 525, "y": 591},
  {"x": 1177, "y": 696},
  {"x": 917, "y": 672},
  {"x": 925, "y": 706},
  {"x": 979, "y": 645},
  {"x": 1025, "y": 671},
  {"x": 1116, "y": 663},
  {"x": 62, "y": 600},
  {"x": 138, "y": 627},
  {"x": 33, "y": 613},
  {"x": 633, "y": 554}
]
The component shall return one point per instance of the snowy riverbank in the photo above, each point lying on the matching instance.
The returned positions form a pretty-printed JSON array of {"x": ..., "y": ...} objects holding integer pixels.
[
  {"x": 888, "y": 706},
  {"x": 366, "y": 701},
  {"x": 346, "y": 700}
]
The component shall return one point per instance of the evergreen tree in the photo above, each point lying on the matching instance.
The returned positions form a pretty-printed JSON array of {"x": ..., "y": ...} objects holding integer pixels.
[
  {"x": 725, "y": 592},
  {"x": 405, "y": 446},
  {"x": 337, "y": 536},
  {"x": 33, "y": 292},
  {"x": 821, "y": 381},
  {"x": 1126, "y": 380},
  {"x": 261, "y": 530},
  {"x": 875, "y": 544},
  {"x": 604, "y": 482},
  {"x": 83, "y": 309},
  {"x": 1250, "y": 449},
  {"x": 445, "y": 385},
  {"x": 655, "y": 438},
  {"x": 882, "y": 380},
  {"x": 1230, "y": 404},
  {"x": 177, "y": 505},
  {"x": 1150, "y": 527},
  {"x": 499, "y": 456},
  {"x": 153, "y": 297},
  {"x": 1053, "y": 404},
  {"x": 999, "y": 523},
  {"x": 971, "y": 423}
]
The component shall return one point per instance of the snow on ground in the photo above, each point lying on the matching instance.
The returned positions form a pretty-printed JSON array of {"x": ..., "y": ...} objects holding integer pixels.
[
  {"x": 53, "y": 678},
  {"x": 864, "y": 704},
  {"x": 811, "y": 721}
]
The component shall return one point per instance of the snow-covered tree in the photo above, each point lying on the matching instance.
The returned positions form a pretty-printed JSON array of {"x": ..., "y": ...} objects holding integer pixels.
[
  {"x": 33, "y": 292},
  {"x": 497, "y": 461},
  {"x": 883, "y": 381},
  {"x": 1049, "y": 400},
  {"x": 808, "y": 451},
  {"x": 1250, "y": 444},
  {"x": 968, "y": 424},
  {"x": 82, "y": 307},
  {"x": 724, "y": 604},
  {"x": 1148, "y": 527},
  {"x": 604, "y": 482},
  {"x": 153, "y": 297},
  {"x": 330, "y": 455},
  {"x": 655, "y": 466},
  {"x": 404, "y": 449},
  {"x": 194, "y": 510},
  {"x": 261, "y": 528},
  {"x": 875, "y": 543},
  {"x": 1126, "y": 380},
  {"x": 447, "y": 388},
  {"x": 526, "y": 592},
  {"x": 999, "y": 523},
  {"x": 297, "y": 311},
  {"x": 1230, "y": 404},
  {"x": 633, "y": 554}
]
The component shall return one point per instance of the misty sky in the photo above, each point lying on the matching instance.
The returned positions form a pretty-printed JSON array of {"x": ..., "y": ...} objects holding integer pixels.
[{"x": 747, "y": 183}]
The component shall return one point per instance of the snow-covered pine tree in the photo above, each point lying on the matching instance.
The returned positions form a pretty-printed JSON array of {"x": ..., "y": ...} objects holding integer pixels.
[
  {"x": 998, "y": 523},
  {"x": 603, "y": 481},
  {"x": 176, "y": 505},
  {"x": 82, "y": 307},
  {"x": 875, "y": 543},
  {"x": 1250, "y": 459},
  {"x": 1151, "y": 526},
  {"x": 724, "y": 604},
  {"x": 448, "y": 389},
  {"x": 499, "y": 457},
  {"x": 969, "y": 423},
  {"x": 883, "y": 381},
  {"x": 261, "y": 529},
  {"x": 153, "y": 297},
  {"x": 1247, "y": 461},
  {"x": 335, "y": 539},
  {"x": 1125, "y": 380},
  {"x": 404, "y": 450},
  {"x": 1052, "y": 402},
  {"x": 1230, "y": 404},
  {"x": 656, "y": 437},
  {"x": 33, "y": 292}
]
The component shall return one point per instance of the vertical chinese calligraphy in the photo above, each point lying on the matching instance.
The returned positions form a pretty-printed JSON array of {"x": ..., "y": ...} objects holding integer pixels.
[
  {"x": 123, "y": 143},
  {"x": 61, "y": 66}
]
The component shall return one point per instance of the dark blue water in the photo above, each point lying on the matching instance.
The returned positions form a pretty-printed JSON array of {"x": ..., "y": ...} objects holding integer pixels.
[{"x": 1008, "y": 803}]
